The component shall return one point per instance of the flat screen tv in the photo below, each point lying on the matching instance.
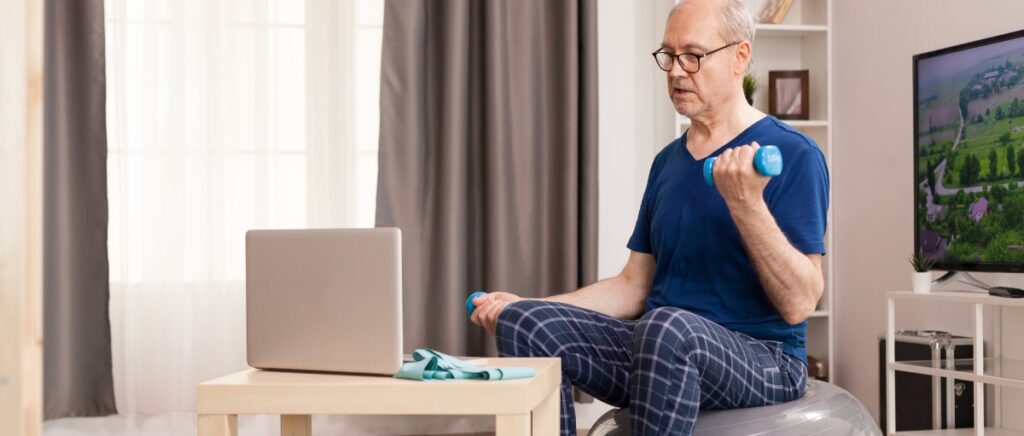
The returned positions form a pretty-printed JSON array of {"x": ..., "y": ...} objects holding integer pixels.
[{"x": 969, "y": 155}]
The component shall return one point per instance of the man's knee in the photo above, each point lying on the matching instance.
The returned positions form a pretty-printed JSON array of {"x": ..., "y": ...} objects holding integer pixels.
[
  {"x": 672, "y": 318},
  {"x": 518, "y": 325},
  {"x": 519, "y": 315},
  {"x": 669, "y": 330}
]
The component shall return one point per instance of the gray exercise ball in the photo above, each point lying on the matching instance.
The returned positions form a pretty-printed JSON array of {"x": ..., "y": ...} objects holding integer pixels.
[{"x": 825, "y": 409}]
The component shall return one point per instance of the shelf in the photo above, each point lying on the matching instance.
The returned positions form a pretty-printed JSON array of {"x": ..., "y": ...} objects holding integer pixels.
[
  {"x": 806, "y": 123},
  {"x": 819, "y": 314},
  {"x": 998, "y": 372},
  {"x": 989, "y": 431},
  {"x": 969, "y": 297},
  {"x": 788, "y": 30},
  {"x": 1001, "y": 372}
]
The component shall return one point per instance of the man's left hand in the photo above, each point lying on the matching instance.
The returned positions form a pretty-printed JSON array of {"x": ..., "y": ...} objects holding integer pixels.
[
  {"x": 488, "y": 307},
  {"x": 736, "y": 178}
]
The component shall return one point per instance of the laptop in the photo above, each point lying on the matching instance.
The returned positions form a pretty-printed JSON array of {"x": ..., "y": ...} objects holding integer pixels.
[{"x": 324, "y": 300}]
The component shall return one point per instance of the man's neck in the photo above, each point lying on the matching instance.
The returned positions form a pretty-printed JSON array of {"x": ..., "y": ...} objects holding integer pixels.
[{"x": 710, "y": 131}]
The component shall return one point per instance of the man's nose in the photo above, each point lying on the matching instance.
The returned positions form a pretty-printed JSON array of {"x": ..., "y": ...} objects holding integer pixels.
[{"x": 677, "y": 70}]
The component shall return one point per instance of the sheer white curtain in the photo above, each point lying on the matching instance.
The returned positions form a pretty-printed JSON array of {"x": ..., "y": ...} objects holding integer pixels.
[{"x": 224, "y": 116}]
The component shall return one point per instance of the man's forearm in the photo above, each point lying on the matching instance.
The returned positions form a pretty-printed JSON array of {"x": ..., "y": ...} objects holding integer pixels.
[
  {"x": 618, "y": 297},
  {"x": 792, "y": 281}
]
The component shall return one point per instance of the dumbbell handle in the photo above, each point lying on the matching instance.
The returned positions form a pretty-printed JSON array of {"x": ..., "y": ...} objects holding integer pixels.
[
  {"x": 767, "y": 161},
  {"x": 470, "y": 307}
]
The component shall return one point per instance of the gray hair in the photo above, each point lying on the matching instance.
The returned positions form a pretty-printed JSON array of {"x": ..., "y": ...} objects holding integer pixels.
[{"x": 737, "y": 22}]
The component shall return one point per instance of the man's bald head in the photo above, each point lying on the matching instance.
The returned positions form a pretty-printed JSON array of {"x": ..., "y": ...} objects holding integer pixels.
[{"x": 736, "y": 22}]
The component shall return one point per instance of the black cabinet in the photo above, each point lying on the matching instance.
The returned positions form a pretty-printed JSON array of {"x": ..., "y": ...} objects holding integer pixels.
[{"x": 914, "y": 392}]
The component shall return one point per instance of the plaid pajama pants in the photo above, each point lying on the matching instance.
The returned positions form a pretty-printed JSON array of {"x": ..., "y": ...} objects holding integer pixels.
[{"x": 665, "y": 366}]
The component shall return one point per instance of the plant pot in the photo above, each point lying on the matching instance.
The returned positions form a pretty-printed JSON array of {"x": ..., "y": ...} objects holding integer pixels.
[{"x": 922, "y": 282}]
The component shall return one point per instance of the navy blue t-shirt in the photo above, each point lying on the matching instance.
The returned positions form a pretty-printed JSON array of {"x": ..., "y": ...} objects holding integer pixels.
[{"x": 701, "y": 263}]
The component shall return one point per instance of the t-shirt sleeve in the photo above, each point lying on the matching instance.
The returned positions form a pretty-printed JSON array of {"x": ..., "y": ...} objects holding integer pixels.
[
  {"x": 640, "y": 241},
  {"x": 799, "y": 200}
]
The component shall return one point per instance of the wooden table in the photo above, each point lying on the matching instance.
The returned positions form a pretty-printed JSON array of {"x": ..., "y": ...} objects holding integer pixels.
[{"x": 522, "y": 407}]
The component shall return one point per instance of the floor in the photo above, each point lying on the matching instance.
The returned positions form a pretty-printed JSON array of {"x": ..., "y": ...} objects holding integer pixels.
[{"x": 267, "y": 425}]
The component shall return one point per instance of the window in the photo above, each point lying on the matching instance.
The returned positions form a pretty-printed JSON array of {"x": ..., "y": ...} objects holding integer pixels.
[
  {"x": 224, "y": 116},
  {"x": 229, "y": 115}
]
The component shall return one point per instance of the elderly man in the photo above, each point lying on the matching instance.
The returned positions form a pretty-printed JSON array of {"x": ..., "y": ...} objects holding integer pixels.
[{"x": 722, "y": 278}]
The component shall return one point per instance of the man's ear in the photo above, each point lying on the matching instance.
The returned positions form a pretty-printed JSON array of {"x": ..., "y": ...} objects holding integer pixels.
[{"x": 743, "y": 57}]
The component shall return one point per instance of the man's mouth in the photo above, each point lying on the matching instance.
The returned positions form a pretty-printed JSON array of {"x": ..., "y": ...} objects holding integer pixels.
[{"x": 680, "y": 92}]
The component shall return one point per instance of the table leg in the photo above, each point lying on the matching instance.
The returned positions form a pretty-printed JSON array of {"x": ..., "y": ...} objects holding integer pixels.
[
  {"x": 218, "y": 425},
  {"x": 513, "y": 425},
  {"x": 545, "y": 415},
  {"x": 296, "y": 425}
]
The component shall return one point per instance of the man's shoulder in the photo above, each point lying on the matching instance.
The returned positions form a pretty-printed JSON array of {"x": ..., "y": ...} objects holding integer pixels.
[
  {"x": 791, "y": 142},
  {"x": 784, "y": 134}
]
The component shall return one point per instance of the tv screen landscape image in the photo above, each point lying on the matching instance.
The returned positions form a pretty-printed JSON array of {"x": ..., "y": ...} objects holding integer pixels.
[{"x": 969, "y": 155}]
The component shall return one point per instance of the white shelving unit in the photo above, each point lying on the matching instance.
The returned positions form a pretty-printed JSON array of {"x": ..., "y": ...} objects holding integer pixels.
[
  {"x": 994, "y": 370},
  {"x": 803, "y": 41}
]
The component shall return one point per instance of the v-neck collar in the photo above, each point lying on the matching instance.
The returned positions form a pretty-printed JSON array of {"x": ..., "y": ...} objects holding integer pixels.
[{"x": 742, "y": 135}]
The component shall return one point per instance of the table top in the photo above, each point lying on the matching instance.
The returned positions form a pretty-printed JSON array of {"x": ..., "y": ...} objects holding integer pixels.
[
  {"x": 954, "y": 296},
  {"x": 255, "y": 391}
]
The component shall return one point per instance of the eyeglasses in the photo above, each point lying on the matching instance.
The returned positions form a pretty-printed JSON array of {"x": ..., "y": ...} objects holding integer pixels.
[{"x": 689, "y": 62}]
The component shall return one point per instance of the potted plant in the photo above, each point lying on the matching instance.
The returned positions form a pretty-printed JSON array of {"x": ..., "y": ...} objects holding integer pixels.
[
  {"x": 749, "y": 86},
  {"x": 922, "y": 279}
]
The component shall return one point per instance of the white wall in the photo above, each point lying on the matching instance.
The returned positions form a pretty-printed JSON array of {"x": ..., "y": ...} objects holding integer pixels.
[
  {"x": 874, "y": 41},
  {"x": 634, "y": 118}
]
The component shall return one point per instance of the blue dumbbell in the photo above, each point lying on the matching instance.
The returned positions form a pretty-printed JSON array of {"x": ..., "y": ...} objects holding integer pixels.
[
  {"x": 767, "y": 160},
  {"x": 469, "y": 302}
]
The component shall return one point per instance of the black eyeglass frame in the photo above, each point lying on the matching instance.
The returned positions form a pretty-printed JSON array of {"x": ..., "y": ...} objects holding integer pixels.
[{"x": 676, "y": 58}]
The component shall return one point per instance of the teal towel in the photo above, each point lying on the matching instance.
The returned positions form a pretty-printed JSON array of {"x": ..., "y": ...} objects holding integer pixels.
[{"x": 434, "y": 365}]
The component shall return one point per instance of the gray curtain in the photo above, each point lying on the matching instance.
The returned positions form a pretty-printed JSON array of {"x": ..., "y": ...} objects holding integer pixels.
[
  {"x": 488, "y": 155},
  {"x": 77, "y": 379}
]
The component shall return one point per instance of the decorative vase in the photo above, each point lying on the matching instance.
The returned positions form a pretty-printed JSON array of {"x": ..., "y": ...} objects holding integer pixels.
[{"x": 922, "y": 282}]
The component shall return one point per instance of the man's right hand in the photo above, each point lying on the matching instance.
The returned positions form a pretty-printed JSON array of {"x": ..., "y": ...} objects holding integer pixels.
[{"x": 489, "y": 306}]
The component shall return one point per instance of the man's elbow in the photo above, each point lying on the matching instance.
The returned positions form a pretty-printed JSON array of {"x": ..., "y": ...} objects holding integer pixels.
[
  {"x": 799, "y": 311},
  {"x": 637, "y": 302},
  {"x": 796, "y": 316},
  {"x": 637, "y": 289}
]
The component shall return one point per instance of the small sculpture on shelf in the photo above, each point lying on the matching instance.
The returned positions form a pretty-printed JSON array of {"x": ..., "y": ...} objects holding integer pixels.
[
  {"x": 816, "y": 369},
  {"x": 775, "y": 11}
]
